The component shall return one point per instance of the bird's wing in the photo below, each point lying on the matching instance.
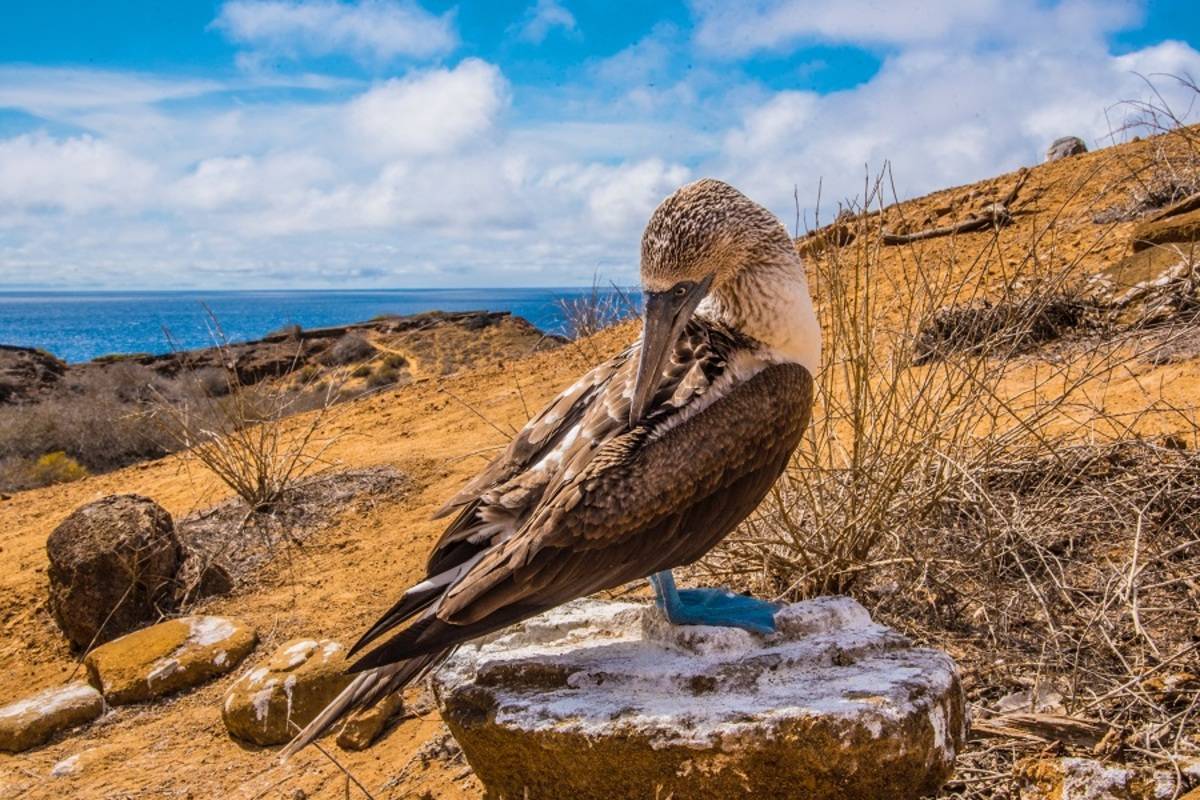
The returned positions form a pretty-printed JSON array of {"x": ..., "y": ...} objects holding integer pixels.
[
  {"x": 561, "y": 439},
  {"x": 649, "y": 498},
  {"x": 553, "y": 449}
]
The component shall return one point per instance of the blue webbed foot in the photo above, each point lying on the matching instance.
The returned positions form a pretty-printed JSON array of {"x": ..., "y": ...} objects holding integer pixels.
[{"x": 718, "y": 607}]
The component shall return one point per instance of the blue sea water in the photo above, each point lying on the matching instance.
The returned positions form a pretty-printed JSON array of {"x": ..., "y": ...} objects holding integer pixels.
[{"x": 79, "y": 326}]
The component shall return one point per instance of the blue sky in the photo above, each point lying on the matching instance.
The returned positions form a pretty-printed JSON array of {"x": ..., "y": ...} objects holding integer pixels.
[{"x": 391, "y": 143}]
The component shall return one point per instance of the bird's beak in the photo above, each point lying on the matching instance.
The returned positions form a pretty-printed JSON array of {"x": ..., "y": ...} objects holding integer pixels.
[{"x": 663, "y": 320}]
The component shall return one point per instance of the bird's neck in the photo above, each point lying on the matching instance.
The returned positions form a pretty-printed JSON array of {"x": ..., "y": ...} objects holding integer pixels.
[{"x": 771, "y": 304}]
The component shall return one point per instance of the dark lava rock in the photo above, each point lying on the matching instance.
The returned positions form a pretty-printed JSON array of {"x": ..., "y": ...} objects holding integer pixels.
[
  {"x": 112, "y": 564},
  {"x": 26, "y": 373}
]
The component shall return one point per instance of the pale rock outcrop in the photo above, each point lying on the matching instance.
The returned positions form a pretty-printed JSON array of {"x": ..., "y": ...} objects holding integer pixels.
[
  {"x": 167, "y": 657},
  {"x": 32, "y": 720},
  {"x": 606, "y": 700},
  {"x": 112, "y": 565},
  {"x": 272, "y": 701}
]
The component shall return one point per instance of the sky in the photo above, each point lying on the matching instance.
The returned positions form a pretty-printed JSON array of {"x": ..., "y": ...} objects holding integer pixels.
[{"x": 403, "y": 144}]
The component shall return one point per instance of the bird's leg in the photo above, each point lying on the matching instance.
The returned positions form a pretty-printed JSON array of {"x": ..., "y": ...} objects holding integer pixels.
[{"x": 719, "y": 607}]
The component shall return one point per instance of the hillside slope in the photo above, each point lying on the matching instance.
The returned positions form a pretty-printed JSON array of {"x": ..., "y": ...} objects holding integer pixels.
[{"x": 438, "y": 431}]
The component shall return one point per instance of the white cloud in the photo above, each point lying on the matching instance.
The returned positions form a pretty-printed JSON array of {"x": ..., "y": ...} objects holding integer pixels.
[
  {"x": 50, "y": 91},
  {"x": 733, "y": 29},
  {"x": 75, "y": 175},
  {"x": 436, "y": 111},
  {"x": 451, "y": 175},
  {"x": 544, "y": 16},
  {"x": 940, "y": 117},
  {"x": 373, "y": 31}
]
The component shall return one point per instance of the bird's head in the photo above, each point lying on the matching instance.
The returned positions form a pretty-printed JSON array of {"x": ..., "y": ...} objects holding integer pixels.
[{"x": 699, "y": 241}]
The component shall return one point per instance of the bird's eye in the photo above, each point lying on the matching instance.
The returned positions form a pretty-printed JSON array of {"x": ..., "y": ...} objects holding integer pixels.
[{"x": 680, "y": 290}]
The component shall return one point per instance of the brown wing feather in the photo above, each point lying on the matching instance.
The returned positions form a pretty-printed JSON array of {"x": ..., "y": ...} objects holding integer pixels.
[
  {"x": 575, "y": 425},
  {"x": 645, "y": 502}
]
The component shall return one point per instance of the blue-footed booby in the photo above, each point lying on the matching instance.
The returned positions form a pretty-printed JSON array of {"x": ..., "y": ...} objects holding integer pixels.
[{"x": 642, "y": 465}]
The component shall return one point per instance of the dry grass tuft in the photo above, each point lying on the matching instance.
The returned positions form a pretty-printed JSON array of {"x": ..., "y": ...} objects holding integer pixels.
[{"x": 590, "y": 313}]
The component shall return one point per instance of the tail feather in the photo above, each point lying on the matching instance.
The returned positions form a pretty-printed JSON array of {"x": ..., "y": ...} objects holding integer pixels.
[
  {"x": 367, "y": 688},
  {"x": 415, "y": 600}
]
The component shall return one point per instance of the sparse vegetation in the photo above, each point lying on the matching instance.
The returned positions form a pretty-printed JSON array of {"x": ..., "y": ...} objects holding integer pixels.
[
  {"x": 244, "y": 438},
  {"x": 599, "y": 308},
  {"x": 382, "y": 376},
  {"x": 350, "y": 348}
]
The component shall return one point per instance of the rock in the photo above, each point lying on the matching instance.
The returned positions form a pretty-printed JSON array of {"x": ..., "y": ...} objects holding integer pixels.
[
  {"x": 31, "y": 721},
  {"x": 112, "y": 563},
  {"x": 200, "y": 576},
  {"x": 1089, "y": 779},
  {"x": 167, "y": 657},
  {"x": 1065, "y": 147},
  {"x": 272, "y": 701},
  {"x": 27, "y": 373},
  {"x": 362, "y": 729},
  {"x": 1182, "y": 229},
  {"x": 606, "y": 700}
]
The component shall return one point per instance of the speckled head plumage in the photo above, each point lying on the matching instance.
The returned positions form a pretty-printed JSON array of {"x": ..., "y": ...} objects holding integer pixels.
[{"x": 709, "y": 228}]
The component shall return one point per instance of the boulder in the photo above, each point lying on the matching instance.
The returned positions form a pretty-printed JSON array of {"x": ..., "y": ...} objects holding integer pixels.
[
  {"x": 112, "y": 563},
  {"x": 1180, "y": 229},
  {"x": 601, "y": 699},
  {"x": 1088, "y": 779},
  {"x": 363, "y": 728},
  {"x": 164, "y": 658},
  {"x": 31, "y": 721},
  {"x": 1064, "y": 147},
  {"x": 272, "y": 701}
]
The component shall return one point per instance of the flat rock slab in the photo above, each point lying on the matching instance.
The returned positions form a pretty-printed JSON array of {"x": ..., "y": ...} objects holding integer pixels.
[
  {"x": 274, "y": 700},
  {"x": 30, "y": 722},
  {"x": 606, "y": 700},
  {"x": 1180, "y": 229},
  {"x": 164, "y": 658}
]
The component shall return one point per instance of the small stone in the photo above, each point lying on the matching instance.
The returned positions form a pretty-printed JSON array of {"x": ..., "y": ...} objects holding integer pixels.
[
  {"x": 1089, "y": 779},
  {"x": 272, "y": 701},
  {"x": 1065, "y": 147},
  {"x": 31, "y": 721},
  {"x": 112, "y": 564},
  {"x": 601, "y": 699},
  {"x": 167, "y": 657},
  {"x": 362, "y": 729},
  {"x": 81, "y": 762}
]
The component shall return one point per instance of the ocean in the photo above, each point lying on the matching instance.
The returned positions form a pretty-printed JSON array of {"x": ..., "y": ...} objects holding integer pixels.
[{"x": 79, "y": 326}]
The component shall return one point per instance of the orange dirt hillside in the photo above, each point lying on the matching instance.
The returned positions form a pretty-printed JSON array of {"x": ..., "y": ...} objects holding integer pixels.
[{"x": 438, "y": 431}]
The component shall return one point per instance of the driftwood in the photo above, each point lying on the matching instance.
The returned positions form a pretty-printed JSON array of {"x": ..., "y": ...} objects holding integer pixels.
[
  {"x": 996, "y": 215},
  {"x": 1042, "y": 727}
]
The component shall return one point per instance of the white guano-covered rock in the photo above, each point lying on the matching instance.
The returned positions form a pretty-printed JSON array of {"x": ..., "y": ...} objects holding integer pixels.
[
  {"x": 273, "y": 700},
  {"x": 606, "y": 700},
  {"x": 32, "y": 720},
  {"x": 164, "y": 658}
]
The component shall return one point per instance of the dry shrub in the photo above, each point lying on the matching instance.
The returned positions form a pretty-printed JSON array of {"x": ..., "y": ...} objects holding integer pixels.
[
  {"x": 98, "y": 420},
  {"x": 245, "y": 437},
  {"x": 985, "y": 501},
  {"x": 590, "y": 313},
  {"x": 1017, "y": 324},
  {"x": 350, "y": 348}
]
